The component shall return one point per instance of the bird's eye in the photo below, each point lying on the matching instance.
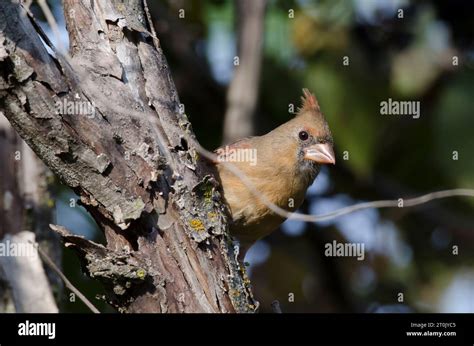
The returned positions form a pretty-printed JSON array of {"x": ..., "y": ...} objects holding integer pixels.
[{"x": 303, "y": 135}]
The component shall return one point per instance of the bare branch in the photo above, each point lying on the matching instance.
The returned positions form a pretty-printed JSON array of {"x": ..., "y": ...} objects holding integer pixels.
[{"x": 66, "y": 281}]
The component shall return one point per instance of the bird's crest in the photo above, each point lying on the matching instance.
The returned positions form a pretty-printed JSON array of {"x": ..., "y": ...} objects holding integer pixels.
[{"x": 309, "y": 102}]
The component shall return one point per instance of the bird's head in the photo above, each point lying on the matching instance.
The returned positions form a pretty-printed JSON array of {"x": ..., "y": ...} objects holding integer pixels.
[{"x": 308, "y": 137}]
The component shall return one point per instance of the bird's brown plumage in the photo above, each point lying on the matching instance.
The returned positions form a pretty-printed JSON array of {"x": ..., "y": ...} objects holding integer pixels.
[{"x": 286, "y": 165}]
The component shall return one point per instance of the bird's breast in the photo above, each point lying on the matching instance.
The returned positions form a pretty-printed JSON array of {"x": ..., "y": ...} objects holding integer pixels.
[{"x": 252, "y": 217}]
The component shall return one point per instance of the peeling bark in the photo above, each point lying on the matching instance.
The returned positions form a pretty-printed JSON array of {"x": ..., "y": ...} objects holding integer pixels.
[{"x": 129, "y": 155}]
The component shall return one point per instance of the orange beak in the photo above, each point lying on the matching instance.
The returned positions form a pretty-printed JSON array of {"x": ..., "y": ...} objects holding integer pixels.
[{"x": 320, "y": 153}]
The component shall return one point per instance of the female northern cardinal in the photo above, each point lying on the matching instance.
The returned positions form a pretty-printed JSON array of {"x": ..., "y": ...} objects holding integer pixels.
[{"x": 284, "y": 164}]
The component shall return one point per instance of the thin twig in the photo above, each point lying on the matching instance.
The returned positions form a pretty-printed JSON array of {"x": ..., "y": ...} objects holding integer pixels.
[
  {"x": 27, "y": 4},
  {"x": 52, "y": 22},
  {"x": 401, "y": 203},
  {"x": 148, "y": 16},
  {"x": 63, "y": 277},
  {"x": 156, "y": 41}
]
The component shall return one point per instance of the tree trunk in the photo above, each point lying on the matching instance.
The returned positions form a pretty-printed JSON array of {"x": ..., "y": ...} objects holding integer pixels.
[
  {"x": 107, "y": 123},
  {"x": 242, "y": 95},
  {"x": 26, "y": 209}
]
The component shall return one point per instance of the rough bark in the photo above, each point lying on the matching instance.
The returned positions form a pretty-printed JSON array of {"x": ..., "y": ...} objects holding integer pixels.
[
  {"x": 242, "y": 94},
  {"x": 130, "y": 158}
]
